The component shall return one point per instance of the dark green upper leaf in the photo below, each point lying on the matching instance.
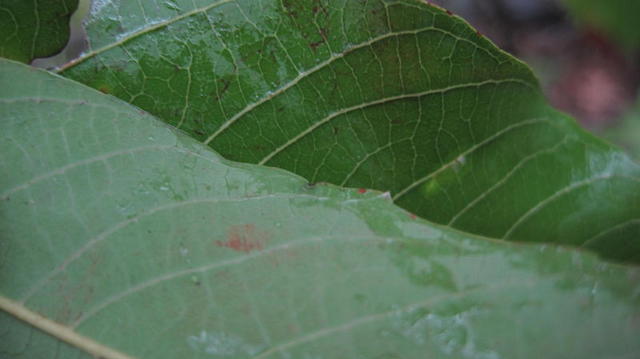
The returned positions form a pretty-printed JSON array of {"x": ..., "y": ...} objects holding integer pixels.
[
  {"x": 398, "y": 96},
  {"x": 34, "y": 28},
  {"x": 136, "y": 236}
]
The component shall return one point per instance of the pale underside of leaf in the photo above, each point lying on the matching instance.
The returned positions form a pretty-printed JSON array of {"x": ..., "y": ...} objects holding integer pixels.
[
  {"x": 127, "y": 232},
  {"x": 59, "y": 331}
]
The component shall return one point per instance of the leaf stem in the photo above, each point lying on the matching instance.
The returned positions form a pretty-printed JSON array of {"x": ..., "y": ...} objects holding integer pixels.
[{"x": 59, "y": 331}]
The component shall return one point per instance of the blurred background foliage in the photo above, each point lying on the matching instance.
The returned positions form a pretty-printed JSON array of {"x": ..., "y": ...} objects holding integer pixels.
[{"x": 586, "y": 54}]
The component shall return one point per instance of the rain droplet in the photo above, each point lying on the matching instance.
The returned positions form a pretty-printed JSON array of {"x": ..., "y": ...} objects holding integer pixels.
[{"x": 171, "y": 5}]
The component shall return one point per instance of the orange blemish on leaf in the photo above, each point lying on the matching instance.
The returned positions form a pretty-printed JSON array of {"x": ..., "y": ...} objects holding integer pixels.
[
  {"x": 244, "y": 238},
  {"x": 362, "y": 191}
]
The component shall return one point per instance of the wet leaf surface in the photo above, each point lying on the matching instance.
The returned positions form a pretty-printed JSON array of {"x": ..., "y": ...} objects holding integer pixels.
[
  {"x": 135, "y": 235},
  {"x": 396, "y": 96}
]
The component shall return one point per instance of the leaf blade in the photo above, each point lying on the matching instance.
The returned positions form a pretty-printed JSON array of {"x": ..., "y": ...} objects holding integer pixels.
[
  {"x": 154, "y": 245},
  {"x": 395, "y": 96},
  {"x": 33, "y": 29}
]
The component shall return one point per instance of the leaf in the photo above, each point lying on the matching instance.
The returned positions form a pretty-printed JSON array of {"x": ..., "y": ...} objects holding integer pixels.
[
  {"x": 34, "y": 28},
  {"x": 396, "y": 96},
  {"x": 135, "y": 236},
  {"x": 615, "y": 18},
  {"x": 626, "y": 131}
]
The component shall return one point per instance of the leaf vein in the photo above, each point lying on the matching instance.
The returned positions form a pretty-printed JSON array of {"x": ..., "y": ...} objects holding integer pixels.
[{"x": 465, "y": 153}]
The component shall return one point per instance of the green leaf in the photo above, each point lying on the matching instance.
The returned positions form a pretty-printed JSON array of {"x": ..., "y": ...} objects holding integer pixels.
[
  {"x": 134, "y": 236},
  {"x": 34, "y": 28},
  {"x": 396, "y": 96},
  {"x": 616, "y": 18},
  {"x": 627, "y": 131}
]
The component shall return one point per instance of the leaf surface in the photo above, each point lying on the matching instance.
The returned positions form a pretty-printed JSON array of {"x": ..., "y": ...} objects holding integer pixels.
[
  {"x": 136, "y": 236},
  {"x": 396, "y": 96},
  {"x": 31, "y": 29},
  {"x": 627, "y": 131}
]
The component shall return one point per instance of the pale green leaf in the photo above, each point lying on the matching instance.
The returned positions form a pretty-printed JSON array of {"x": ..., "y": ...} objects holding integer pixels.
[{"x": 135, "y": 236}]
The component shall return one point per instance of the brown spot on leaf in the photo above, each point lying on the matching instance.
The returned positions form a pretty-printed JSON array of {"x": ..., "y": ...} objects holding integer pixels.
[
  {"x": 225, "y": 86},
  {"x": 323, "y": 39},
  {"x": 79, "y": 293},
  {"x": 244, "y": 238},
  {"x": 314, "y": 45},
  {"x": 319, "y": 7}
]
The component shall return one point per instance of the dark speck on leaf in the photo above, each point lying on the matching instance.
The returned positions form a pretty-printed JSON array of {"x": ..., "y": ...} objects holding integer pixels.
[{"x": 314, "y": 45}]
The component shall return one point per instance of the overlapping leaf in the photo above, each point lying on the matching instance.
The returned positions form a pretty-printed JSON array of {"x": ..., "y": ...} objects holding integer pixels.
[
  {"x": 397, "y": 96},
  {"x": 136, "y": 236},
  {"x": 34, "y": 28}
]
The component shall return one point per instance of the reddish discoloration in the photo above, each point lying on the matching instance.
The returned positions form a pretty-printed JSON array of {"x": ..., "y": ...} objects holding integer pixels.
[
  {"x": 412, "y": 216},
  {"x": 77, "y": 295},
  {"x": 225, "y": 86},
  {"x": 293, "y": 329},
  {"x": 323, "y": 39},
  {"x": 314, "y": 45},
  {"x": 449, "y": 12},
  {"x": 362, "y": 191},
  {"x": 244, "y": 238},
  {"x": 479, "y": 33}
]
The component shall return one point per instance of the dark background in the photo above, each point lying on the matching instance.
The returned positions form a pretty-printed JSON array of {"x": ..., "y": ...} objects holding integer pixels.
[{"x": 582, "y": 70}]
